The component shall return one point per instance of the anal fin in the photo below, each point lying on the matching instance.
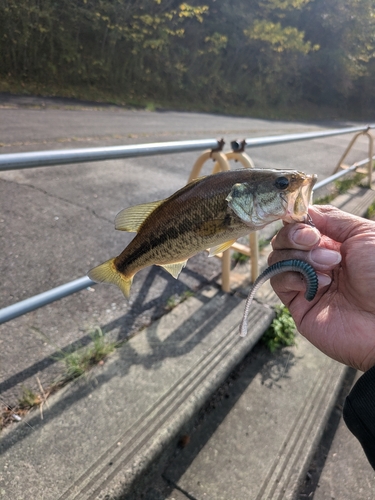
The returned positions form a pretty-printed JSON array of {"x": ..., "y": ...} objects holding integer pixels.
[{"x": 175, "y": 268}]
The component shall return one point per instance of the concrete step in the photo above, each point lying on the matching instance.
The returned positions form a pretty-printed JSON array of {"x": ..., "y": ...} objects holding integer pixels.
[
  {"x": 258, "y": 441},
  {"x": 355, "y": 201},
  {"x": 104, "y": 436}
]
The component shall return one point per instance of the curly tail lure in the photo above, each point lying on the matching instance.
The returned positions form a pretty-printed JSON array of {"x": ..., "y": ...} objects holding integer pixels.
[{"x": 283, "y": 266}]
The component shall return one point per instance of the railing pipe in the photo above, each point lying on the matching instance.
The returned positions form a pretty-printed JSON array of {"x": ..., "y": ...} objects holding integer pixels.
[
  {"x": 13, "y": 161},
  {"x": 279, "y": 139},
  {"x": 42, "y": 299},
  {"x": 336, "y": 176}
]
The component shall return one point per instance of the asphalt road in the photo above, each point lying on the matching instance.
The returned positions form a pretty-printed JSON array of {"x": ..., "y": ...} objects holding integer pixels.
[{"x": 57, "y": 222}]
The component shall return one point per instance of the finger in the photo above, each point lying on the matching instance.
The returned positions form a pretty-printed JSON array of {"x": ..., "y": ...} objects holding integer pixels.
[
  {"x": 322, "y": 259},
  {"x": 299, "y": 236},
  {"x": 339, "y": 225}
]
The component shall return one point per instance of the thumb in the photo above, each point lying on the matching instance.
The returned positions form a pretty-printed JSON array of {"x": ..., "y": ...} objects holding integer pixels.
[{"x": 339, "y": 225}]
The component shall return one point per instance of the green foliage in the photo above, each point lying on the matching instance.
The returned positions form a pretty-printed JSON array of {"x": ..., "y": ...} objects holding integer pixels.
[
  {"x": 220, "y": 55},
  {"x": 280, "y": 39},
  {"x": 281, "y": 332}
]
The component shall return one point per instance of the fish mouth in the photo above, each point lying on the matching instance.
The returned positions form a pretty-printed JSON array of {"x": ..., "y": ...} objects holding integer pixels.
[{"x": 299, "y": 200}]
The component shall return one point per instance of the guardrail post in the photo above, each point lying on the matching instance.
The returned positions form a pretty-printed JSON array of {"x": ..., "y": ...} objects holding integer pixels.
[{"x": 369, "y": 169}]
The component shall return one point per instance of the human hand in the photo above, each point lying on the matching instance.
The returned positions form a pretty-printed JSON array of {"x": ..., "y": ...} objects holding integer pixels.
[{"x": 340, "y": 321}]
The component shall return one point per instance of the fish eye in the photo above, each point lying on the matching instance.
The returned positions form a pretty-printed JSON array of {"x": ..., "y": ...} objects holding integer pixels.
[{"x": 281, "y": 183}]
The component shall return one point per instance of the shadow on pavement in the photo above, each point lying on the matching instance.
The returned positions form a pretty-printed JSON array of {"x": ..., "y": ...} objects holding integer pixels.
[{"x": 181, "y": 341}]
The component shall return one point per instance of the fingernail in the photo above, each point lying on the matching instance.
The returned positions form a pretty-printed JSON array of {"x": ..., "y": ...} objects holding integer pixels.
[
  {"x": 325, "y": 257},
  {"x": 306, "y": 236},
  {"x": 324, "y": 279}
]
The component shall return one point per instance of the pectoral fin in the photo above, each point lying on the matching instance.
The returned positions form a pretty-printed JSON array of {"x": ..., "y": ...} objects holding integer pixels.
[
  {"x": 220, "y": 248},
  {"x": 131, "y": 218},
  {"x": 175, "y": 268}
]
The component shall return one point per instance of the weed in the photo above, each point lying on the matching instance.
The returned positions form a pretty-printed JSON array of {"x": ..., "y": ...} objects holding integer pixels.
[
  {"x": 370, "y": 214},
  {"x": 343, "y": 185},
  {"x": 29, "y": 399},
  {"x": 176, "y": 299},
  {"x": 76, "y": 364},
  {"x": 325, "y": 200},
  {"x": 340, "y": 187},
  {"x": 282, "y": 330},
  {"x": 240, "y": 258},
  {"x": 172, "y": 302},
  {"x": 81, "y": 360}
]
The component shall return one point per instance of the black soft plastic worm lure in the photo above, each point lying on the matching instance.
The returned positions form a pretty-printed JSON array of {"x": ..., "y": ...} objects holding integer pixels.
[{"x": 283, "y": 266}]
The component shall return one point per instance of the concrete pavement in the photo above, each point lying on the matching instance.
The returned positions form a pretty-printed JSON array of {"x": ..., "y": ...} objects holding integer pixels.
[
  {"x": 109, "y": 433},
  {"x": 189, "y": 410},
  {"x": 57, "y": 222}
]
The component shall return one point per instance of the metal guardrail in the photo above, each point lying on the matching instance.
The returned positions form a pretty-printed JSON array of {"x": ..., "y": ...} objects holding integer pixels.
[
  {"x": 15, "y": 161},
  {"x": 49, "y": 158},
  {"x": 42, "y": 299},
  {"x": 336, "y": 176},
  {"x": 279, "y": 139}
]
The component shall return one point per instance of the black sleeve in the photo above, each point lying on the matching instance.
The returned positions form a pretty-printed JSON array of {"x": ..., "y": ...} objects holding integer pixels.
[{"x": 359, "y": 413}]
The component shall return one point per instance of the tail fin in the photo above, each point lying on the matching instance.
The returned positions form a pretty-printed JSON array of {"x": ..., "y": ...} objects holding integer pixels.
[{"x": 107, "y": 273}]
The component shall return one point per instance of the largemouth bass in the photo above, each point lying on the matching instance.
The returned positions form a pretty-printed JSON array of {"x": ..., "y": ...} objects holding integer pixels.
[{"x": 211, "y": 212}]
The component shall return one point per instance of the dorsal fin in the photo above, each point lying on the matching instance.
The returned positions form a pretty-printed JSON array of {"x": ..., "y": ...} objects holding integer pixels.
[{"x": 131, "y": 218}]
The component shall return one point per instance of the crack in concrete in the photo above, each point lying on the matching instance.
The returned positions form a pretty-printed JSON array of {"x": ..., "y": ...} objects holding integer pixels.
[{"x": 60, "y": 198}]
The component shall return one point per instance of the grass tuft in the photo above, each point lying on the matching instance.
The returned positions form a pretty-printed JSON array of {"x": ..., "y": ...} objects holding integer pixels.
[
  {"x": 29, "y": 399},
  {"x": 281, "y": 332},
  {"x": 370, "y": 214},
  {"x": 176, "y": 299},
  {"x": 80, "y": 361},
  {"x": 76, "y": 363},
  {"x": 340, "y": 187},
  {"x": 240, "y": 258}
]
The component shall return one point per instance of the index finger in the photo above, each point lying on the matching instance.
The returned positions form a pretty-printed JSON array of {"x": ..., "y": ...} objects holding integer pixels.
[{"x": 339, "y": 225}]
